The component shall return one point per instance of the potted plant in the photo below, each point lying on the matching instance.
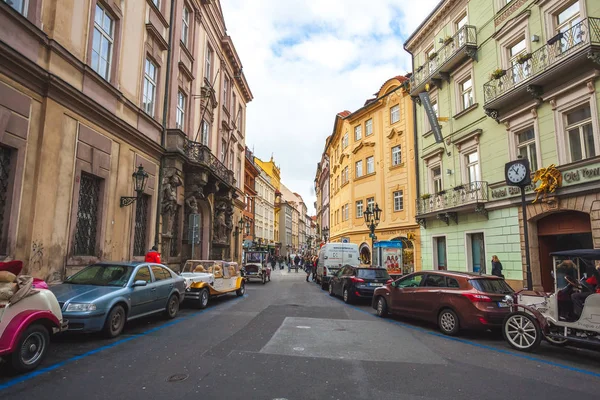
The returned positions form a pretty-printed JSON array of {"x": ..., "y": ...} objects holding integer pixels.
[
  {"x": 459, "y": 187},
  {"x": 433, "y": 55},
  {"x": 448, "y": 39},
  {"x": 420, "y": 68},
  {"x": 425, "y": 196},
  {"x": 498, "y": 73},
  {"x": 523, "y": 58},
  {"x": 441, "y": 193}
]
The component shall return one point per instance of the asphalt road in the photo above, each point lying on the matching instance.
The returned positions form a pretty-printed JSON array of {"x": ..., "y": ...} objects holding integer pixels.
[{"x": 289, "y": 340}]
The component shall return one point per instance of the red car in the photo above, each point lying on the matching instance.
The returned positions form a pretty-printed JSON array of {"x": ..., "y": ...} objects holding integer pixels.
[{"x": 453, "y": 300}]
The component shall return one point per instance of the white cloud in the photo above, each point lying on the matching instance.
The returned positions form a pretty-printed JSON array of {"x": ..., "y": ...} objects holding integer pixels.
[{"x": 305, "y": 61}]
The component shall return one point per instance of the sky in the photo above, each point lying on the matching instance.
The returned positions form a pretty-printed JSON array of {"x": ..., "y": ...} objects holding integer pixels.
[{"x": 307, "y": 60}]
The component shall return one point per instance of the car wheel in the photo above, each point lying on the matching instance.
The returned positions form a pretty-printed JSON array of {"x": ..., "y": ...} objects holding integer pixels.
[
  {"x": 172, "y": 306},
  {"x": 331, "y": 290},
  {"x": 30, "y": 349},
  {"x": 203, "y": 300},
  {"x": 381, "y": 310},
  {"x": 240, "y": 292},
  {"x": 347, "y": 296},
  {"x": 522, "y": 331},
  {"x": 115, "y": 322},
  {"x": 448, "y": 322}
]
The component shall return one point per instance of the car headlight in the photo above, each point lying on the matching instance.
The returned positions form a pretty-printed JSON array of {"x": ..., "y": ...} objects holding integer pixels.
[
  {"x": 188, "y": 283},
  {"x": 81, "y": 307}
]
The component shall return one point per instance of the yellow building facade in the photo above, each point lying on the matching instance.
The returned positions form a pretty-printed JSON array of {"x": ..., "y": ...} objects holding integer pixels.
[
  {"x": 372, "y": 161},
  {"x": 273, "y": 171}
]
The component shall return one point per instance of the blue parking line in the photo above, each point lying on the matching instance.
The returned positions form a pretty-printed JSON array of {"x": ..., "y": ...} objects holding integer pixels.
[
  {"x": 482, "y": 346},
  {"x": 41, "y": 371}
]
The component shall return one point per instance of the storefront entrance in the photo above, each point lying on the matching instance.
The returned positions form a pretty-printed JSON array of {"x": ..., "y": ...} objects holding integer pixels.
[{"x": 569, "y": 230}]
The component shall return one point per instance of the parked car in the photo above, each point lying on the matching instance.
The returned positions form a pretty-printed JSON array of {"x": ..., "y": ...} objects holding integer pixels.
[
  {"x": 206, "y": 279},
  {"x": 353, "y": 283},
  {"x": 27, "y": 319},
  {"x": 453, "y": 300},
  {"x": 332, "y": 257},
  {"x": 103, "y": 296}
]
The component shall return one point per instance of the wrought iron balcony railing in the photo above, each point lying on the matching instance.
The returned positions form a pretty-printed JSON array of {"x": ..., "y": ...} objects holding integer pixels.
[
  {"x": 471, "y": 193},
  {"x": 465, "y": 38},
  {"x": 199, "y": 153},
  {"x": 557, "y": 50}
]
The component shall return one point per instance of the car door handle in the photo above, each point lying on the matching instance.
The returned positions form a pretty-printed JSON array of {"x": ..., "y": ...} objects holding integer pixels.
[{"x": 153, "y": 290}]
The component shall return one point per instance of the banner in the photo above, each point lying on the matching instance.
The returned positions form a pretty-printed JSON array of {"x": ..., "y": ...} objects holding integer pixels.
[
  {"x": 433, "y": 121},
  {"x": 391, "y": 256}
]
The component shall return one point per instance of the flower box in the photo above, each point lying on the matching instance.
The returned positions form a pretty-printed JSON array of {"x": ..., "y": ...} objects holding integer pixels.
[
  {"x": 523, "y": 58},
  {"x": 425, "y": 196},
  {"x": 497, "y": 74}
]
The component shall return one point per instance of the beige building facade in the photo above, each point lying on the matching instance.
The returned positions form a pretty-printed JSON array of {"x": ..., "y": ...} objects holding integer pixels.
[{"x": 82, "y": 91}]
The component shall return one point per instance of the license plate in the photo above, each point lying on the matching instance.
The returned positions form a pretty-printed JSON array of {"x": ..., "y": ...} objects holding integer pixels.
[
  {"x": 502, "y": 305},
  {"x": 375, "y": 284}
]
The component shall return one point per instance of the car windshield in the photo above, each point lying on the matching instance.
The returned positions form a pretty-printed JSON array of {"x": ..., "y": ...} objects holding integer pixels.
[
  {"x": 498, "y": 286},
  {"x": 102, "y": 275},
  {"x": 373, "y": 274},
  {"x": 253, "y": 257}
]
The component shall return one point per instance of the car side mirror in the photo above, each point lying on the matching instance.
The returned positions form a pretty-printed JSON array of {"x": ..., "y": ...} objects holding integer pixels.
[
  {"x": 393, "y": 284},
  {"x": 140, "y": 283}
]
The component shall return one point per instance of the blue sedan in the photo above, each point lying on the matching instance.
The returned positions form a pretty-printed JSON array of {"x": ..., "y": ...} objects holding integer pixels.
[{"x": 103, "y": 296}]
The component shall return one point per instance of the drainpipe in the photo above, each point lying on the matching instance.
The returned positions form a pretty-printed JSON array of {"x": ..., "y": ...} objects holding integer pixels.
[
  {"x": 163, "y": 137},
  {"x": 415, "y": 133}
]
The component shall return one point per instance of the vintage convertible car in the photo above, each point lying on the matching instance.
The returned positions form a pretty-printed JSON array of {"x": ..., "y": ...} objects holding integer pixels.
[
  {"x": 29, "y": 314},
  {"x": 208, "y": 278},
  {"x": 255, "y": 266},
  {"x": 535, "y": 315}
]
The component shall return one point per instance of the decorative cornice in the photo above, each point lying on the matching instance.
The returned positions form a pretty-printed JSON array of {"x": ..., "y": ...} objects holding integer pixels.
[
  {"x": 433, "y": 153},
  {"x": 507, "y": 11},
  {"x": 394, "y": 132}
]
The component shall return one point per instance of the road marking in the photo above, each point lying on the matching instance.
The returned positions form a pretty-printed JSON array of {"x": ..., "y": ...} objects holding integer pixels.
[
  {"x": 38, "y": 372},
  {"x": 303, "y": 327},
  {"x": 475, "y": 344}
]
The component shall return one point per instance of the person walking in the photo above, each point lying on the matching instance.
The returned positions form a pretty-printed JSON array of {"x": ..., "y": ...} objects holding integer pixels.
[
  {"x": 307, "y": 268},
  {"x": 153, "y": 256},
  {"x": 496, "y": 267},
  {"x": 296, "y": 262}
]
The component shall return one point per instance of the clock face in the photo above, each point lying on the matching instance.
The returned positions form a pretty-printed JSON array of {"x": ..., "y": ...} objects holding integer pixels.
[{"x": 516, "y": 173}]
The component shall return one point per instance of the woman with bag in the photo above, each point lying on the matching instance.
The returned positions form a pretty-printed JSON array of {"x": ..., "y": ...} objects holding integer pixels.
[{"x": 496, "y": 267}]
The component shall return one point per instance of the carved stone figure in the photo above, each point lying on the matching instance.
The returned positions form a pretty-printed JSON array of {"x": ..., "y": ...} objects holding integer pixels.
[
  {"x": 192, "y": 204},
  {"x": 220, "y": 224},
  {"x": 169, "y": 199}
]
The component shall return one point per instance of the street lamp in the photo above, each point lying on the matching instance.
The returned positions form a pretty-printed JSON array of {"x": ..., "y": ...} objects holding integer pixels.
[
  {"x": 140, "y": 177},
  {"x": 372, "y": 218},
  {"x": 325, "y": 232},
  {"x": 238, "y": 229}
]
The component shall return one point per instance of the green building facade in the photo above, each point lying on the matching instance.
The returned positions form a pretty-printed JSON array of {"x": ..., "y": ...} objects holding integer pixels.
[{"x": 507, "y": 79}]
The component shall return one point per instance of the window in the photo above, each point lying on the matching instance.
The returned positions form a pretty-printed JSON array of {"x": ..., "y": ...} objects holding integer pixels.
[
  {"x": 358, "y": 132},
  {"x": 580, "y": 135},
  {"x": 345, "y": 141},
  {"x": 396, "y": 155},
  {"x": 395, "y": 114},
  {"x": 439, "y": 249},
  {"x": 143, "y": 274},
  {"x": 208, "y": 64},
  {"x": 180, "y": 116},
  {"x": 452, "y": 283},
  {"x": 185, "y": 26},
  {"x": 149, "y": 94},
  {"x": 140, "y": 235},
  {"x": 223, "y": 146},
  {"x": 359, "y": 169},
  {"x": 88, "y": 209},
  {"x": 6, "y": 158},
  {"x": 160, "y": 274},
  {"x": 436, "y": 179},
  {"x": 369, "y": 127},
  {"x": 526, "y": 147},
  {"x": 410, "y": 281},
  {"x": 238, "y": 173},
  {"x": 231, "y": 160},
  {"x": 204, "y": 133},
  {"x": 435, "y": 281},
  {"x": 472, "y": 161},
  {"x": 466, "y": 93},
  {"x": 359, "y": 209},
  {"x": 398, "y": 200},
  {"x": 566, "y": 23},
  {"x": 370, "y": 165},
  {"x": 239, "y": 118},
  {"x": 462, "y": 34},
  {"x": 516, "y": 50},
  {"x": 19, "y": 5},
  {"x": 370, "y": 203},
  {"x": 225, "y": 99},
  {"x": 102, "y": 43},
  {"x": 345, "y": 212},
  {"x": 431, "y": 59},
  {"x": 345, "y": 175}
]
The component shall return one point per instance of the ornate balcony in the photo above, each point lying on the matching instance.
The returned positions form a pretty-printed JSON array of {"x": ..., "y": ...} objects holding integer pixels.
[
  {"x": 201, "y": 154},
  {"x": 463, "y": 44},
  {"x": 558, "y": 58},
  {"x": 448, "y": 202}
]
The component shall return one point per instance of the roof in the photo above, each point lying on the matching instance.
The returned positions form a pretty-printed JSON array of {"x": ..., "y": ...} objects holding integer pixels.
[
  {"x": 121, "y": 263},
  {"x": 344, "y": 113},
  {"x": 400, "y": 78},
  {"x": 423, "y": 23},
  {"x": 464, "y": 274},
  {"x": 586, "y": 254}
]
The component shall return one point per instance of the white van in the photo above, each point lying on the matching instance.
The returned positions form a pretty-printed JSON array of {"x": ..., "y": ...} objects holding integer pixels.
[{"x": 332, "y": 257}]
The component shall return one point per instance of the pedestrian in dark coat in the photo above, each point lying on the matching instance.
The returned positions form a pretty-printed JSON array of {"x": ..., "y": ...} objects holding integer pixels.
[{"x": 496, "y": 267}]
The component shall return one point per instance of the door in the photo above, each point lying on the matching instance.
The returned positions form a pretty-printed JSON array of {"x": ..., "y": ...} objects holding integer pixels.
[
  {"x": 478, "y": 253},
  {"x": 164, "y": 284},
  {"x": 142, "y": 297},
  {"x": 335, "y": 281},
  {"x": 401, "y": 298},
  {"x": 428, "y": 296}
]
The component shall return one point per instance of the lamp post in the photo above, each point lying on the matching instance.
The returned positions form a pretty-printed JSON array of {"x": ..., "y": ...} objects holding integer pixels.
[
  {"x": 325, "y": 232},
  {"x": 238, "y": 229},
  {"x": 140, "y": 177},
  {"x": 372, "y": 217}
]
